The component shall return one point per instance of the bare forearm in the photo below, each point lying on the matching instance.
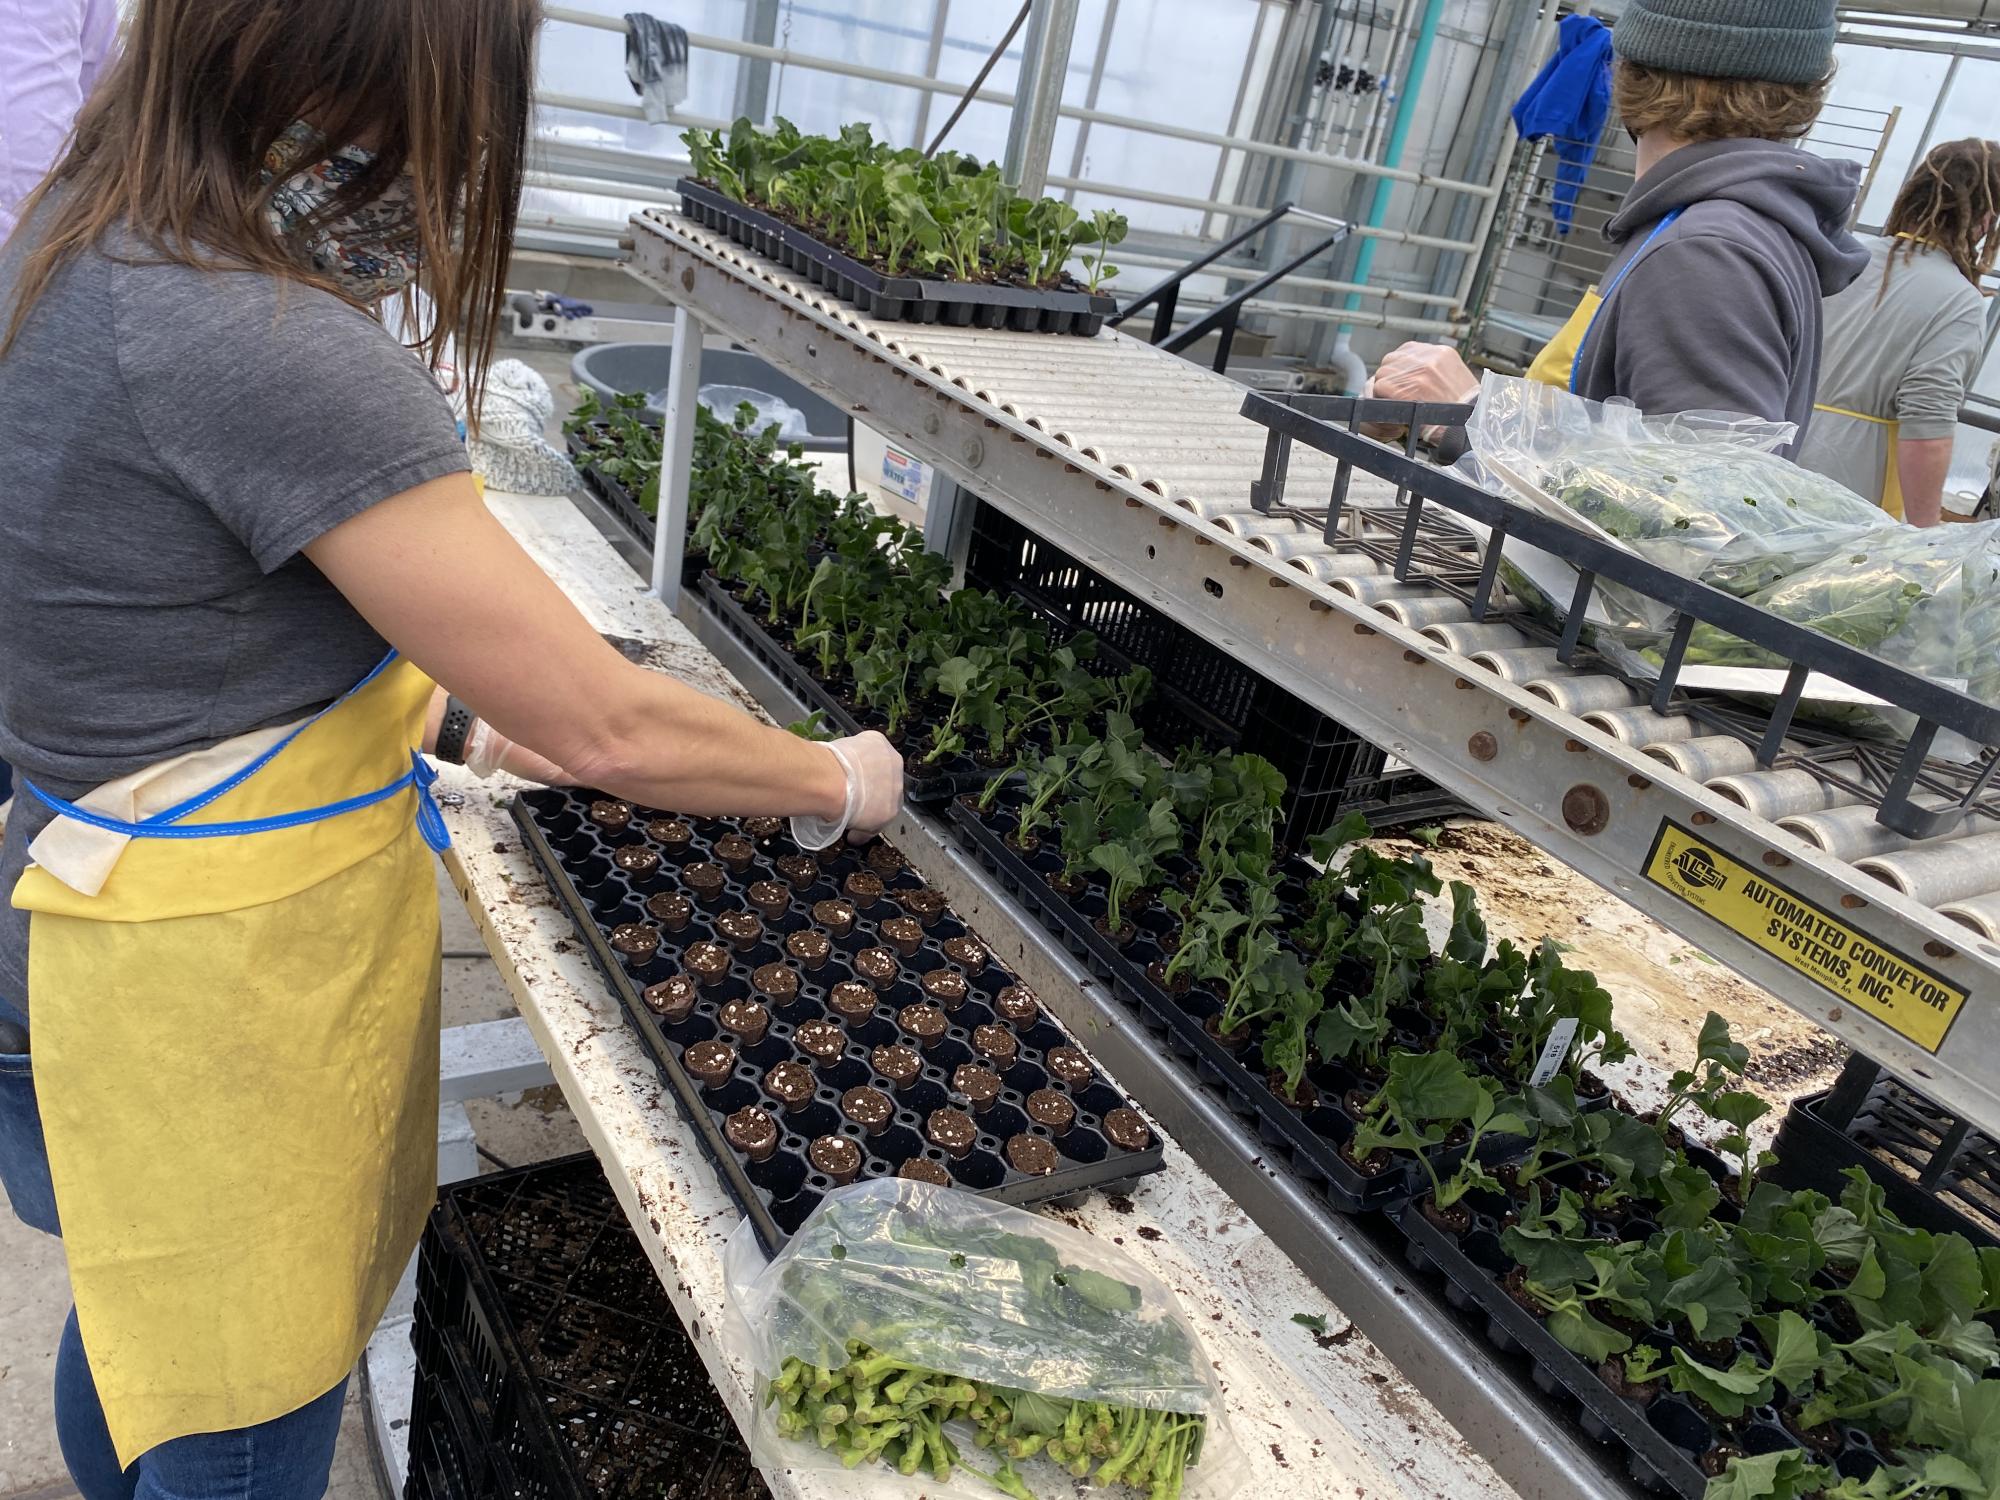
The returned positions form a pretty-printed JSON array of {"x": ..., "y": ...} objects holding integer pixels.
[
  {"x": 442, "y": 581},
  {"x": 1922, "y": 466}
]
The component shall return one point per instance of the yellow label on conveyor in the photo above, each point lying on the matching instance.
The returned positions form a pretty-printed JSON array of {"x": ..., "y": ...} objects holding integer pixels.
[{"x": 1901, "y": 993}]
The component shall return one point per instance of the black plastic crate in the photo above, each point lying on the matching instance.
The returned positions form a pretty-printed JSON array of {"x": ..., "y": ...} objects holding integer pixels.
[
  {"x": 1204, "y": 695},
  {"x": 579, "y": 854},
  {"x": 550, "y": 1363},
  {"x": 1937, "y": 1172},
  {"x": 906, "y": 299}
]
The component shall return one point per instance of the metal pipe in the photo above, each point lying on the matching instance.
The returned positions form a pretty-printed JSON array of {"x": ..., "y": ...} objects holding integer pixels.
[
  {"x": 1433, "y": 609},
  {"x": 788, "y": 58},
  {"x": 1399, "y": 135},
  {"x": 1980, "y": 913},
  {"x": 1247, "y": 211},
  {"x": 1948, "y": 871},
  {"x": 1469, "y": 640},
  {"x": 677, "y": 455},
  {"x": 1849, "y": 833},
  {"x": 1582, "y": 695},
  {"x": 1031, "y": 129},
  {"x": 1640, "y": 727},
  {"x": 1515, "y": 664},
  {"x": 1486, "y": 150},
  {"x": 1338, "y": 567},
  {"x": 1096, "y": 85},
  {"x": 1502, "y": 164},
  {"x": 1706, "y": 756},
  {"x": 1303, "y": 283},
  {"x": 1772, "y": 795}
]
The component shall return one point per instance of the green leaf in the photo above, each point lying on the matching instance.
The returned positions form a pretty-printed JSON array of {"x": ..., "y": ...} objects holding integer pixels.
[
  {"x": 1315, "y": 1321},
  {"x": 1466, "y": 942},
  {"x": 1786, "y": 1474},
  {"x": 1731, "y": 1392},
  {"x": 1869, "y": 1281},
  {"x": 1584, "y": 1335},
  {"x": 1716, "y": 1047},
  {"x": 1795, "y": 1353}
]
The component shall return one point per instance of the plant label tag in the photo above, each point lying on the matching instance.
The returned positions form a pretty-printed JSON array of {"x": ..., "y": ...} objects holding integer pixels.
[
  {"x": 1554, "y": 1050},
  {"x": 902, "y": 474}
]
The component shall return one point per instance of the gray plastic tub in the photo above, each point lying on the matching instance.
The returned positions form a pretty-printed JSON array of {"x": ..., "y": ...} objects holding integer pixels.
[{"x": 615, "y": 369}]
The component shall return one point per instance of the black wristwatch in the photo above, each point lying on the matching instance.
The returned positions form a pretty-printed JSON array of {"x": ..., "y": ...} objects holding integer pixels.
[{"x": 458, "y": 721}]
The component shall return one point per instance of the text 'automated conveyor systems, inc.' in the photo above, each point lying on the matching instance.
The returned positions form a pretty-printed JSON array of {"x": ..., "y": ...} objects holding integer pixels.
[{"x": 1897, "y": 990}]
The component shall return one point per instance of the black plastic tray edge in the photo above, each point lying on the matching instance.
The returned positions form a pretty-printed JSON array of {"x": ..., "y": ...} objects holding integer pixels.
[
  {"x": 1063, "y": 312},
  {"x": 1670, "y": 1467},
  {"x": 1812, "y": 1153},
  {"x": 1345, "y": 1188},
  {"x": 615, "y": 497},
  {"x": 929, "y": 792},
  {"x": 1129, "y": 1167},
  {"x": 686, "y": 1095}
]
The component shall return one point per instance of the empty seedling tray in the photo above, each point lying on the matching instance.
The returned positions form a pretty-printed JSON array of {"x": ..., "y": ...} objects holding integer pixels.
[
  {"x": 618, "y": 873},
  {"x": 896, "y": 299}
]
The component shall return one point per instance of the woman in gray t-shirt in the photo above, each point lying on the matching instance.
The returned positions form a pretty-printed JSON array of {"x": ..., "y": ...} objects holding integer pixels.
[
  {"x": 229, "y": 493},
  {"x": 1902, "y": 344}
]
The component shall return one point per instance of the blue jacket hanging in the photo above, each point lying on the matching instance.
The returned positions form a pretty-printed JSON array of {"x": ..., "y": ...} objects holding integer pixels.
[{"x": 1569, "y": 102}]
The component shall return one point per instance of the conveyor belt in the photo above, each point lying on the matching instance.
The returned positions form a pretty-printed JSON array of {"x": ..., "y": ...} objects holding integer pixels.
[{"x": 1139, "y": 464}]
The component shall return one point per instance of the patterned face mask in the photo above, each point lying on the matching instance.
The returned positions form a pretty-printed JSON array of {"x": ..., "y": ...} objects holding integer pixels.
[{"x": 371, "y": 253}]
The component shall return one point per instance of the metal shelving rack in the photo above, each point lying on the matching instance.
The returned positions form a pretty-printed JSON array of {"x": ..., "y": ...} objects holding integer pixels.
[{"x": 1143, "y": 467}]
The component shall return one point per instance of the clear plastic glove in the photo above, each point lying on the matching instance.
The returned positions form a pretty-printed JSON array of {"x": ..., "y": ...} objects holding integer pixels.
[
  {"x": 874, "y": 792},
  {"x": 488, "y": 750},
  {"x": 1424, "y": 372}
]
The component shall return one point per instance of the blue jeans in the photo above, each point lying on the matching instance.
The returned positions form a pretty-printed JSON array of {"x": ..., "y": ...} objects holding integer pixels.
[{"x": 287, "y": 1458}]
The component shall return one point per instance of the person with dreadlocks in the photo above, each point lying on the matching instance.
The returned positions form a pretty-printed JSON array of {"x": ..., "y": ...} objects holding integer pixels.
[{"x": 1902, "y": 343}]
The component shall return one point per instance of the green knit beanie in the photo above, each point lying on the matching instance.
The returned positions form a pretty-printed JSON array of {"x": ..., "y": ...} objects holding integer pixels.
[{"x": 1774, "y": 41}]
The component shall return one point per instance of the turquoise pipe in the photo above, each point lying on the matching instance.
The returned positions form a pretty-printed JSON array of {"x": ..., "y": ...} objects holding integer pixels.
[{"x": 1399, "y": 135}]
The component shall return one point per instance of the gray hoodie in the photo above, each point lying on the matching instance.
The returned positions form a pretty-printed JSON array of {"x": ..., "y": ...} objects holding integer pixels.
[{"x": 1721, "y": 312}]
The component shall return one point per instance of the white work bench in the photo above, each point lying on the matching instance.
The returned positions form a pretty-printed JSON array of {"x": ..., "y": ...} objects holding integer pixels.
[{"x": 1314, "y": 1416}]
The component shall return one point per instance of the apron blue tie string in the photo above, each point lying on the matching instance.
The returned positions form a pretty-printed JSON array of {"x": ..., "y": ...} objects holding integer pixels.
[{"x": 167, "y": 824}]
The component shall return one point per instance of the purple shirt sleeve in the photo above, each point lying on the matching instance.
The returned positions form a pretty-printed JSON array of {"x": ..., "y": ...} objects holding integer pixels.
[{"x": 55, "y": 50}]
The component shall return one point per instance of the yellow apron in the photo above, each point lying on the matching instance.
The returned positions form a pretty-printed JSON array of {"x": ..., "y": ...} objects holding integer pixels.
[
  {"x": 236, "y": 1053},
  {"x": 1892, "y": 474},
  {"x": 1557, "y": 364}
]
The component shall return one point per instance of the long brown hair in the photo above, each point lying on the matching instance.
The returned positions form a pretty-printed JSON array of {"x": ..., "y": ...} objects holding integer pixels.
[
  {"x": 1952, "y": 203},
  {"x": 171, "y": 143}
]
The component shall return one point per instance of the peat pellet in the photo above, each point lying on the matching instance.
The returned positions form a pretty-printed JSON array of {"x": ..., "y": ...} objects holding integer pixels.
[
  {"x": 809, "y": 946},
  {"x": 1047, "y": 1107},
  {"x": 899, "y": 1064},
  {"x": 735, "y": 851},
  {"x": 763, "y": 828},
  {"x": 863, "y": 888},
  {"x": 946, "y": 986},
  {"x": 1068, "y": 1066},
  {"x": 670, "y": 909},
  {"x": 924, "y": 1022},
  {"x": 770, "y": 899},
  {"x": 752, "y": 1131},
  {"x": 672, "y": 1000},
  {"x": 797, "y": 870},
  {"x": 904, "y": 934},
  {"x": 832, "y": 854},
  {"x": 1017, "y": 1005},
  {"x": 637, "y": 941},
  {"x": 742, "y": 930},
  {"x": 1030, "y": 1155},
  {"x": 706, "y": 880},
  {"x": 747, "y": 1018},
  {"x": 979, "y": 1085},
  {"x": 923, "y": 903},
  {"x": 868, "y": 1108},
  {"x": 835, "y": 1157},
  {"x": 606, "y": 813},
  {"x": 777, "y": 983},
  {"x": 1126, "y": 1129},
  {"x": 967, "y": 953},
  {"x": 877, "y": 966},
  {"x": 821, "y": 1041},
  {"x": 851, "y": 1000},
  {"x": 710, "y": 1063},
  {"x": 996, "y": 1042},
  {"x": 951, "y": 1130},
  {"x": 885, "y": 859},
  {"x": 923, "y": 1169},
  {"x": 708, "y": 962},
  {"x": 636, "y": 859},
  {"x": 792, "y": 1085},
  {"x": 672, "y": 834},
  {"x": 837, "y": 917}
]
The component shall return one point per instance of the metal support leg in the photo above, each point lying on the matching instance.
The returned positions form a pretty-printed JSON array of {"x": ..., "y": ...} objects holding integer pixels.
[
  {"x": 677, "y": 457},
  {"x": 948, "y": 524}
]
